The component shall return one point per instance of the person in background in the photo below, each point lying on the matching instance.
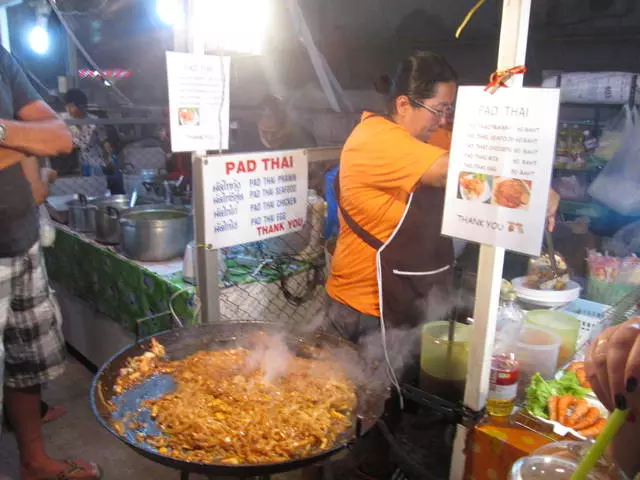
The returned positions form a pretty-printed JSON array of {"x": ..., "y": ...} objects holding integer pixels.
[
  {"x": 32, "y": 346},
  {"x": 87, "y": 138},
  {"x": 613, "y": 368},
  {"x": 275, "y": 130}
]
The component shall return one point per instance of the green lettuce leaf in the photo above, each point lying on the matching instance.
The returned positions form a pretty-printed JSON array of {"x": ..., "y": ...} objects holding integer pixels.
[{"x": 540, "y": 390}]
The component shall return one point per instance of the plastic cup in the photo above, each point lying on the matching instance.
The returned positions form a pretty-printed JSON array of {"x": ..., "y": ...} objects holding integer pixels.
[
  {"x": 537, "y": 352},
  {"x": 562, "y": 324}
]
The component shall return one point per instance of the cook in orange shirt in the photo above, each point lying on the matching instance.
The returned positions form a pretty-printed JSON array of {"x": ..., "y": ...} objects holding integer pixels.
[{"x": 390, "y": 257}]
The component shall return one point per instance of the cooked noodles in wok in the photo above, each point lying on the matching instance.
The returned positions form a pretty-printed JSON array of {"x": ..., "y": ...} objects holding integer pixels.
[{"x": 230, "y": 407}]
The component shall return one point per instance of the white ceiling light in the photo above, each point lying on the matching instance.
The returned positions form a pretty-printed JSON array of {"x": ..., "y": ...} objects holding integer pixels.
[
  {"x": 170, "y": 12},
  {"x": 39, "y": 39},
  {"x": 235, "y": 26}
]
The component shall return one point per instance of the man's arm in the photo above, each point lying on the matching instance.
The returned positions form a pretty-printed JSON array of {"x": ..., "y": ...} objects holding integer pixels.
[
  {"x": 38, "y": 131},
  {"x": 31, "y": 170},
  {"x": 9, "y": 157}
]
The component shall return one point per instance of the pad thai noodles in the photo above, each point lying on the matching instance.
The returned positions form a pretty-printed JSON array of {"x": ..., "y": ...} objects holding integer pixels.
[{"x": 225, "y": 410}]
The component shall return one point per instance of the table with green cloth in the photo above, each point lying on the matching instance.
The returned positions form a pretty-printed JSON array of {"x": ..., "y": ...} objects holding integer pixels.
[{"x": 128, "y": 291}]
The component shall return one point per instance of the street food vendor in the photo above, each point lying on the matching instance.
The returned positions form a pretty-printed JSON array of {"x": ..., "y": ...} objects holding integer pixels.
[{"x": 393, "y": 168}]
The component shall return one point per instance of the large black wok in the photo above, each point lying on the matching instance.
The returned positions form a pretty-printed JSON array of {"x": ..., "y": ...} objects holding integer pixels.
[{"x": 184, "y": 342}]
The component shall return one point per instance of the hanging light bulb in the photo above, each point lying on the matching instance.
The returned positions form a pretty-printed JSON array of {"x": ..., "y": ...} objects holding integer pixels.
[
  {"x": 170, "y": 11},
  {"x": 39, "y": 39}
]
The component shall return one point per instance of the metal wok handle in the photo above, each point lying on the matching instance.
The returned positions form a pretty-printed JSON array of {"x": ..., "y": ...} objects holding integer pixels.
[{"x": 154, "y": 323}]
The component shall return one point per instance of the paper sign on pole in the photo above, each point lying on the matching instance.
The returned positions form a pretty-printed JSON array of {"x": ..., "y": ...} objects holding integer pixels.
[
  {"x": 254, "y": 196},
  {"x": 198, "y": 101},
  {"x": 501, "y": 160}
]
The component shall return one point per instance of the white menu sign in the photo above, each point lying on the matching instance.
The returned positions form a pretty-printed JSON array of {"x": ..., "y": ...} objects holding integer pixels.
[
  {"x": 198, "y": 101},
  {"x": 502, "y": 155},
  {"x": 254, "y": 196}
]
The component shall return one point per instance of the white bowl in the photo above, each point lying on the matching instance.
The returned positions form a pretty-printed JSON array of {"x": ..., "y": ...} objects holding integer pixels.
[{"x": 545, "y": 298}]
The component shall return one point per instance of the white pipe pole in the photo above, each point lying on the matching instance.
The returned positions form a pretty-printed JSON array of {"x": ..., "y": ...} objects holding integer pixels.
[
  {"x": 206, "y": 260},
  {"x": 514, "y": 32},
  {"x": 4, "y": 29}
]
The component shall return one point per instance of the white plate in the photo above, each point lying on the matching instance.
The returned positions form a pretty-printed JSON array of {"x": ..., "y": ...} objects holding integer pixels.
[
  {"x": 486, "y": 195},
  {"x": 545, "y": 298}
]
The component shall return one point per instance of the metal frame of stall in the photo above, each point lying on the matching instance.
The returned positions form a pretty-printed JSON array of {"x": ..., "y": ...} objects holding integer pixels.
[
  {"x": 514, "y": 32},
  {"x": 513, "y": 44}
]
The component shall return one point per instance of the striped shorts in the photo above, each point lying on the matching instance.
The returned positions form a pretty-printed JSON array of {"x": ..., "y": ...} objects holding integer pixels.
[{"x": 32, "y": 345}]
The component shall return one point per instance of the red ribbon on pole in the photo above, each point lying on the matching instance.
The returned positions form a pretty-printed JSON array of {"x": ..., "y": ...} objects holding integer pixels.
[{"x": 500, "y": 78}]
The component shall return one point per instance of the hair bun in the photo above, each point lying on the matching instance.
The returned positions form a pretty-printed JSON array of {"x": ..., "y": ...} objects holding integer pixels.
[{"x": 383, "y": 85}]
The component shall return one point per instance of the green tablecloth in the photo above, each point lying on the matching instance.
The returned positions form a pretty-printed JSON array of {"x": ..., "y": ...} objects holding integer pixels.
[
  {"x": 128, "y": 291},
  {"x": 116, "y": 286}
]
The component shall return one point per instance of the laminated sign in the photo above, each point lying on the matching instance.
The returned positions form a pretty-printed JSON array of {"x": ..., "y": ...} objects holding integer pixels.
[
  {"x": 198, "y": 101},
  {"x": 254, "y": 196},
  {"x": 501, "y": 161}
]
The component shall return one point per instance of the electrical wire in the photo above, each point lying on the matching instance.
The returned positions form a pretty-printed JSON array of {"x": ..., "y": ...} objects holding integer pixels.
[
  {"x": 84, "y": 52},
  {"x": 84, "y": 12}
]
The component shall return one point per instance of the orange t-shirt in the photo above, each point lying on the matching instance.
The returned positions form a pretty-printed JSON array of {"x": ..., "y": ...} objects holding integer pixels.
[{"x": 380, "y": 165}]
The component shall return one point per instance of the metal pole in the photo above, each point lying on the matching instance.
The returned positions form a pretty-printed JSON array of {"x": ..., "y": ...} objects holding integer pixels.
[
  {"x": 514, "y": 32},
  {"x": 72, "y": 63},
  {"x": 206, "y": 259},
  {"x": 4, "y": 29}
]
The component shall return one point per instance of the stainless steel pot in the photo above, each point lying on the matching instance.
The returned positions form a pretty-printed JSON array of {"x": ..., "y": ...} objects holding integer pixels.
[
  {"x": 81, "y": 216},
  {"x": 107, "y": 216},
  {"x": 155, "y": 233}
]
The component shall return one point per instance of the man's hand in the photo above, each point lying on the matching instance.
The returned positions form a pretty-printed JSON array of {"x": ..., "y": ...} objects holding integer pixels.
[
  {"x": 38, "y": 131},
  {"x": 552, "y": 209}
]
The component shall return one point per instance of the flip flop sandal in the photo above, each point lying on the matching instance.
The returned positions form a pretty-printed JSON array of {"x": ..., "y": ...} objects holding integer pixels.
[{"x": 74, "y": 467}]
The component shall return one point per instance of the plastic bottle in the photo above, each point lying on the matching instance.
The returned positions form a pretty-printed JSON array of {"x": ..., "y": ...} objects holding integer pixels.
[
  {"x": 505, "y": 370},
  {"x": 590, "y": 142}
]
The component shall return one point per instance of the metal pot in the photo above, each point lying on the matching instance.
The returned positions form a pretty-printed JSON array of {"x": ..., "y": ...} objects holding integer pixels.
[
  {"x": 155, "y": 233},
  {"x": 81, "y": 217},
  {"x": 107, "y": 216}
]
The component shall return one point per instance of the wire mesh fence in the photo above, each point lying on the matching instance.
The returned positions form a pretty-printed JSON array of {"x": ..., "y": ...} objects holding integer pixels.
[
  {"x": 276, "y": 280},
  {"x": 280, "y": 279}
]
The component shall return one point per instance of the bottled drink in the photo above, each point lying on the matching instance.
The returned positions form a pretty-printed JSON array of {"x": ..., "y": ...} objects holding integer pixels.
[
  {"x": 503, "y": 384},
  {"x": 505, "y": 370}
]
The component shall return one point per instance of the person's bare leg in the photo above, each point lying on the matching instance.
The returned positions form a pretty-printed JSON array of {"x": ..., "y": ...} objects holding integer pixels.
[{"x": 23, "y": 409}]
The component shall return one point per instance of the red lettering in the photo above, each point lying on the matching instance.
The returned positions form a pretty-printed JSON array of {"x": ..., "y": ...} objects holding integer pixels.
[
  {"x": 277, "y": 163},
  {"x": 230, "y": 167},
  {"x": 269, "y": 229},
  {"x": 295, "y": 223}
]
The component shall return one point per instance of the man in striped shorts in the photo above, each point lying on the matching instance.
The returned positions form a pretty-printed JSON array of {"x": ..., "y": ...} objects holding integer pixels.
[{"x": 31, "y": 342}]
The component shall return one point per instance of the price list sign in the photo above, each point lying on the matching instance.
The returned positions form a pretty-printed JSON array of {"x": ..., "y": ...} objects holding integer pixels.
[
  {"x": 501, "y": 160},
  {"x": 255, "y": 196}
]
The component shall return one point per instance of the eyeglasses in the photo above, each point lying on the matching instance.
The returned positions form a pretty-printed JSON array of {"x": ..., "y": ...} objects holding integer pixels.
[{"x": 438, "y": 113}]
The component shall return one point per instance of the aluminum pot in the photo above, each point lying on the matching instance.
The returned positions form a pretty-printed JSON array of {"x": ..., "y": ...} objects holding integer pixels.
[
  {"x": 82, "y": 217},
  {"x": 155, "y": 233},
  {"x": 107, "y": 216}
]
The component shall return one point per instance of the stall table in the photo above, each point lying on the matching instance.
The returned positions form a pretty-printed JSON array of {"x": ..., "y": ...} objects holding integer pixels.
[
  {"x": 126, "y": 291},
  {"x": 494, "y": 447}
]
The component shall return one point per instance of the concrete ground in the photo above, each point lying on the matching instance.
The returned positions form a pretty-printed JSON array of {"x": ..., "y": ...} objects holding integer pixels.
[{"x": 79, "y": 435}]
